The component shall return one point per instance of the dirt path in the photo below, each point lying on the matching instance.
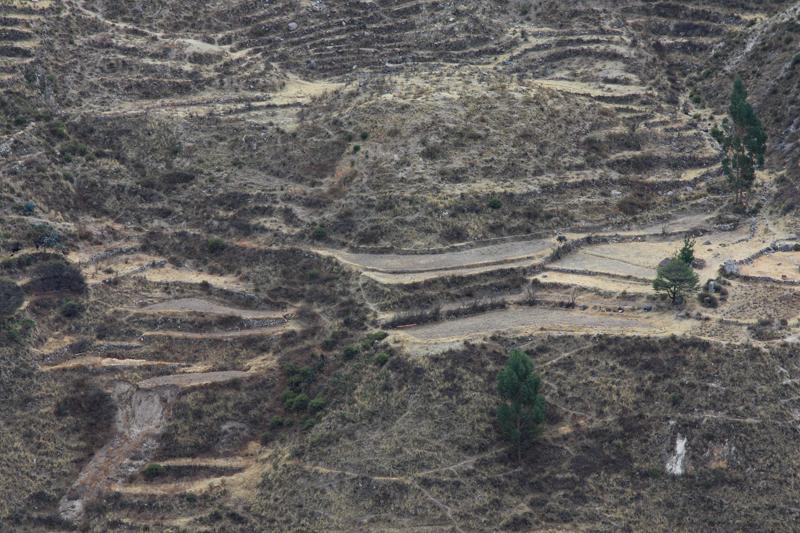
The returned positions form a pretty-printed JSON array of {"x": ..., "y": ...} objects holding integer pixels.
[
  {"x": 539, "y": 319},
  {"x": 495, "y": 254},
  {"x": 409, "y": 268},
  {"x": 91, "y": 361},
  {"x": 192, "y": 380},
  {"x": 199, "y": 305},
  {"x": 269, "y": 330}
]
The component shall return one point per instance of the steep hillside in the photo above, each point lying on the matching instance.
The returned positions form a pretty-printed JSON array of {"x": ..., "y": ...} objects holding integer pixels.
[{"x": 261, "y": 263}]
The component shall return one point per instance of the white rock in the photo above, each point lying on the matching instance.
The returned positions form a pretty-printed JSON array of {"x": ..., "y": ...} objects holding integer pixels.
[{"x": 675, "y": 465}]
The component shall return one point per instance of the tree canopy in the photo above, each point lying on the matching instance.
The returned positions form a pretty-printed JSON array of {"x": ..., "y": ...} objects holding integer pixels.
[
  {"x": 676, "y": 279},
  {"x": 521, "y": 411},
  {"x": 743, "y": 142},
  {"x": 686, "y": 253}
]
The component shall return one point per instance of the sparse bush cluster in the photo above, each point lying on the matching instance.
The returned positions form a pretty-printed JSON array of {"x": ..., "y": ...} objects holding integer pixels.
[
  {"x": 44, "y": 236},
  {"x": 297, "y": 396},
  {"x": 371, "y": 347},
  {"x": 714, "y": 292}
]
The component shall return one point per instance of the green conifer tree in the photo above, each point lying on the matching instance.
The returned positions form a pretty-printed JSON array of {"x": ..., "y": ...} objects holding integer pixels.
[
  {"x": 743, "y": 142},
  {"x": 521, "y": 413}
]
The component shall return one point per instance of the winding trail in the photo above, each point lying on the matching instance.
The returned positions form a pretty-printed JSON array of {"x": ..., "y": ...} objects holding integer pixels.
[
  {"x": 253, "y": 332},
  {"x": 192, "y": 380},
  {"x": 198, "y": 305},
  {"x": 398, "y": 268},
  {"x": 540, "y": 319},
  {"x": 491, "y": 255},
  {"x": 91, "y": 361}
]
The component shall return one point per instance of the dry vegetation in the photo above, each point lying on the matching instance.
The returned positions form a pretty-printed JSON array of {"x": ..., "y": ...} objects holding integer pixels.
[{"x": 261, "y": 262}]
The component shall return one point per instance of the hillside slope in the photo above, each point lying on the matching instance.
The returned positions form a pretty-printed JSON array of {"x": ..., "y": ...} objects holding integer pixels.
[{"x": 261, "y": 263}]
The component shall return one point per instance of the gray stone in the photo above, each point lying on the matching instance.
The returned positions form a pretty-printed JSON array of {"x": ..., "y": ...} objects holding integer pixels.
[
  {"x": 292, "y": 26},
  {"x": 730, "y": 267}
]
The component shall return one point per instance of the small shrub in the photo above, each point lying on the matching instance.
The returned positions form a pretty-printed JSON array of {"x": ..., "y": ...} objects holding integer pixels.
[
  {"x": 708, "y": 300},
  {"x": 319, "y": 233},
  {"x": 28, "y": 208},
  {"x": 494, "y": 203},
  {"x": 377, "y": 336},
  {"x": 350, "y": 352},
  {"x": 73, "y": 148},
  {"x": 296, "y": 377},
  {"x": 294, "y": 401},
  {"x": 71, "y": 309},
  {"x": 265, "y": 438},
  {"x": 277, "y": 422},
  {"x": 215, "y": 245},
  {"x": 317, "y": 404},
  {"x": 364, "y": 135},
  {"x": 152, "y": 471},
  {"x": 43, "y": 236},
  {"x": 308, "y": 423},
  {"x": 17, "y": 330},
  {"x": 633, "y": 204},
  {"x": 58, "y": 129},
  {"x": 381, "y": 358},
  {"x": 356, "y": 148}
]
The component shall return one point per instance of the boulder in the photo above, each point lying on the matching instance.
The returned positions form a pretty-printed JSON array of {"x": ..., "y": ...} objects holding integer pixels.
[{"x": 730, "y": 267}]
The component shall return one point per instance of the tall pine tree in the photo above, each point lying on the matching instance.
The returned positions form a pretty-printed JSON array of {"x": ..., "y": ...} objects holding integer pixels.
[
  {"x": 521, "y": 413},
  {"x": 743, "y": 141}
]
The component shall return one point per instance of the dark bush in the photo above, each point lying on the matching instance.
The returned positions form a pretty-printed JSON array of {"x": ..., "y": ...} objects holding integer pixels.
[
  {"x": 294, "y": 401},
  {"x": 319, "y": 233},
  {"x": 152, "y": 471},
  {"x": 43, "y": 236},
  {"x": 71, "y": 309},
  {"x": 317, "y": 404},
  {"x": 279, "y": 422},
  {"x": 11, "y": 297},
  {"x": 57, "y": 276},
  {"x": 381, "y": 358},
  {"x": 633, "y": 204},
  {"x": 708, "y": 300},
  {"x": 350, "y": 352},
  {"x": 215, "y": 245},
  {"x": 16, "y": 330}
]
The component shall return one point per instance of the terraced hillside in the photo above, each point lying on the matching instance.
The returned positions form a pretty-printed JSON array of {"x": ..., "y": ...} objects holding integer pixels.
[{"x": 261, "y": 262}]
